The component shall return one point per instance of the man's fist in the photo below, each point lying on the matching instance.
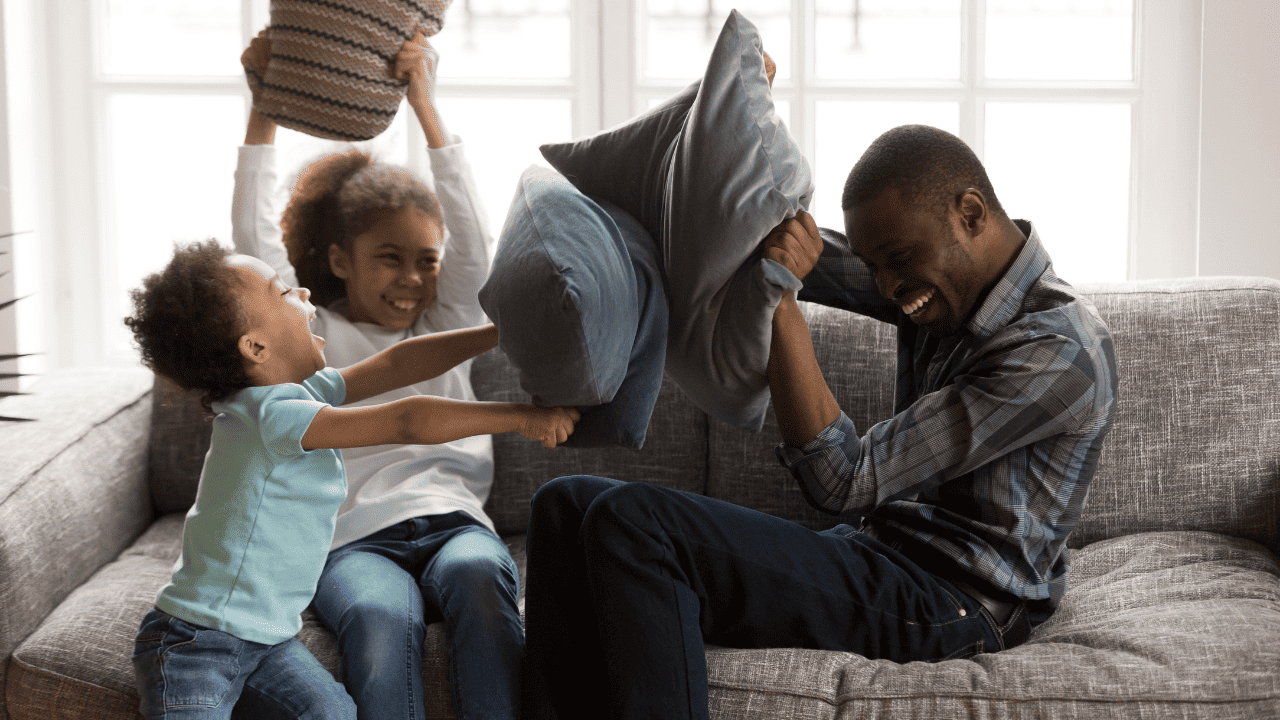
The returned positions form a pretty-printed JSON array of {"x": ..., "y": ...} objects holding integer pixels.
[{"x": 795, "y": 244}]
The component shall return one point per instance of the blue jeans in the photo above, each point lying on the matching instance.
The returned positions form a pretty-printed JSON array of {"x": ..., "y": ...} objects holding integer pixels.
[
  {"x": 378, "y": 594},
  {"x": 627, "y": 581},
  {"x": 185, "y": 670}
]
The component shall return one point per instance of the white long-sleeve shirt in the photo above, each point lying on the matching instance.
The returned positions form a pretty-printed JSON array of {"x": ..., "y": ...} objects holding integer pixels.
[{"x": 390, "y": 483}]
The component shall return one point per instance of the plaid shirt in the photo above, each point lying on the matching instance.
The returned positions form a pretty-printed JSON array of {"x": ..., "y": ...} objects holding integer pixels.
[{"x": 996, "y": 431}]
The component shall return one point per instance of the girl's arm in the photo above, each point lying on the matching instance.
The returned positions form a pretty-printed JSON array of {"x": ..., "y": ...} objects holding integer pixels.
[
  {"x": 255, "y": 223},
  {"x": 415, "y": 360},
  {"x": 430, "y": 420},
  {"x": 470, "y": 245}
]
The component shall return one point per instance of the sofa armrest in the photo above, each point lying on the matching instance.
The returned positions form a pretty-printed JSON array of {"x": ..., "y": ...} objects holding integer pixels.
[{"x": 73, "y": 488}]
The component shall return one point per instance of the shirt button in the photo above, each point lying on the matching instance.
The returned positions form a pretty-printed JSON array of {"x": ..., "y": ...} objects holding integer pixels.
[{"x": 962, "y": 612}]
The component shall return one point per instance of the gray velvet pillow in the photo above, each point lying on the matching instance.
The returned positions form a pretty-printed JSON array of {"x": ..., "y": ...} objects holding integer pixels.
[
  {"x": 708, "y": 173},
  {"x": 576, "y": 294}
]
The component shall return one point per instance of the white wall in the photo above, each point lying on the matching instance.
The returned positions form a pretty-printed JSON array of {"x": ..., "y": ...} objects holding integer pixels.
[{"x": 1240, "y": 138}]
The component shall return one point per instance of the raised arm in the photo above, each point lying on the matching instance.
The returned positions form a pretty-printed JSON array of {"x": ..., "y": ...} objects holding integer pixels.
[
  {"x": 468, "y": 252},
  {"x": 415, "y": 360},
  {"x": 255, "y": 222}
]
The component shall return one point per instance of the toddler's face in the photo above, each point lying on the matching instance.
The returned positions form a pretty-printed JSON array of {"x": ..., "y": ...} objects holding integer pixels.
[
  {"x": 281, "y": 315},
  {"x": 391, "y": 269}
]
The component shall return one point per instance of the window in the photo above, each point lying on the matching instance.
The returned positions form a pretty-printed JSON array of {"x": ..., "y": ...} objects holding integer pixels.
[{"x": 1053, "y": 95}]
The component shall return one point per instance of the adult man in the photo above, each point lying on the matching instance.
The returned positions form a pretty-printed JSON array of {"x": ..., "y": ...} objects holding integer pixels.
[{"x": 1006, "y": 384}]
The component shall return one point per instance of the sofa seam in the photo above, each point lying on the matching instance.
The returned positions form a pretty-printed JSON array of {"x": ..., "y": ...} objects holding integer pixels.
[
  {"x": 36, "y": 471},
  {"x": 15, "y": 660},
  {"x": 840, "y": 701}
]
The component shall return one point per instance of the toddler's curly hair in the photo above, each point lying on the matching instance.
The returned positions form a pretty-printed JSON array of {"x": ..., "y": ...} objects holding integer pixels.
[
  {"x": 187, "y": 321},
  {"x": 337, "y": 198}
]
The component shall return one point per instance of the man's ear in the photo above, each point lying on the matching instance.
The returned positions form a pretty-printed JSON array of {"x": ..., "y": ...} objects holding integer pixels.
[
  {"x": 972, "y": 207},
  {"x": 252, "y": 349},
  {"x": 339, "y": 261}
]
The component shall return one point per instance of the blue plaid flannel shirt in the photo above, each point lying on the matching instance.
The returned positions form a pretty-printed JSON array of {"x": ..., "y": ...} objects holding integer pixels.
[{"x": 996, "y": 431}]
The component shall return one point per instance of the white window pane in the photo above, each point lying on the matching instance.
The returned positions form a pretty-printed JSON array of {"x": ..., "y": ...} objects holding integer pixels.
[
  {"x": 1060, "y": 39},
  {"x": 1065, "y": 167},
  {"x": 498, "y": 148},
  {"x": 678, "y": 35},
  {"x": 505, "y": 39},
  {"x": 171, "y": 37},
  {"x": 845, "y": 129},
  {"x": 170, "y": 162},
  {"x": 888, "y": 39}
]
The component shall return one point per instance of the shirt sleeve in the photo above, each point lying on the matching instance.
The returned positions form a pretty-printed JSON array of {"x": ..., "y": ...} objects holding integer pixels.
[
  {"x": 255, "y": 223},
  {"x": 469, "y": 246},
  {"x": 842, "y": 281},
  {"x": 1010, "y": 398}
]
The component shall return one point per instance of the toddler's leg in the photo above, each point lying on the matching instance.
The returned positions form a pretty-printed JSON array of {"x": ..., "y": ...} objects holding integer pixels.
[
  {"x": 475, "y": 584},
  {"x": 290, "y": 683},
  {"x": 376, "y": 610},
  {"x": 187, "y": 671}
]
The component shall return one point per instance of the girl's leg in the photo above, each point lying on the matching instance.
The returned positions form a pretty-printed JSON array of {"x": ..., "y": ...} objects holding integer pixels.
[
  {"x": 375, "y": 608},
  {"x": 473, "y": 582}
]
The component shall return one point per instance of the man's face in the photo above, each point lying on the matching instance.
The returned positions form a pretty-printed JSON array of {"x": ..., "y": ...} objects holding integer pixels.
[{"x": 920, "y": 261}]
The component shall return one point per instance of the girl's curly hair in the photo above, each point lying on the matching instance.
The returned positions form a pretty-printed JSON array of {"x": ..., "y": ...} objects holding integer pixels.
[
  {"x": 337, "y": 198},
  {"x": 187, "y": 321}
]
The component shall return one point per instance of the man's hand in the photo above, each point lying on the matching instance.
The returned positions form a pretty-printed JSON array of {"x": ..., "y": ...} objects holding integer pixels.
[
  {"x": 548, "y": 425},
  {"x": 770, "y": 69},
  {"x": 795, "y": 244}
]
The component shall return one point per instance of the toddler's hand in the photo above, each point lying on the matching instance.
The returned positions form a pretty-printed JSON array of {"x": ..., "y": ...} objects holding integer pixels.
[{"x": 549, "y": 425}]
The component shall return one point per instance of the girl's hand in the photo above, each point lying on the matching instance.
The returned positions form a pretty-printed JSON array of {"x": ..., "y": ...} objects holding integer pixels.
[
  {"x": 417, "y": 64},
  {"x": 548, "y": 425},
  {"x": 254, "y": 58}
]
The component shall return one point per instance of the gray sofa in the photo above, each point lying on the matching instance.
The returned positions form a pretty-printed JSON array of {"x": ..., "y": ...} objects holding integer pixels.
[{"x": 1174, "y": 602}]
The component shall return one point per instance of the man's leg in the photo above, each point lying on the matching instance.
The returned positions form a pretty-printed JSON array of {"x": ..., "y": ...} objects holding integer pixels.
[
  {"x": 474, "y": 584},
  {"x": 564, "y": 661},
  {"x": 666, "y": 569}
]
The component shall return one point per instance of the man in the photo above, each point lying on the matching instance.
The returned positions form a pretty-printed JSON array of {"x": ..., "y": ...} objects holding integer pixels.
[{"x": 1005, "y": 390}]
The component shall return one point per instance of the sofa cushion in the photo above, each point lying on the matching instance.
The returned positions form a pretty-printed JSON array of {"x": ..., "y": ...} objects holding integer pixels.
[
  {"x": 1196, "y": 432},
  {"x": 180, "y": 432},
  {"x": 76, "y": 664},
  {"x": 674, "y": 454},
  {"x": 708, "y": 173},
  {"x": 576, "y": 294},
  {"x": 1182, "y": 624}
]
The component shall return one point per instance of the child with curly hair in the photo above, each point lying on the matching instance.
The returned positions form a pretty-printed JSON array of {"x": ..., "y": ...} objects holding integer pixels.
[
  {"x": 256, "y": 539},
  {"x": 389, "y": 260}
]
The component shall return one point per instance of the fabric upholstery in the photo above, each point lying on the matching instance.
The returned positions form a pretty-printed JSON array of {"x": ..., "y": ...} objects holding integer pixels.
[
  {"x": 329, "y": 73},
  {"x": 674, "y": 453},
  {"x": 180, "y": 432},
  {"x": 72, "y": 489},
  {"x": 1197, "y": 426},
  {"x": 709, "y": 173},
  {"x": 576, "y": 294}
]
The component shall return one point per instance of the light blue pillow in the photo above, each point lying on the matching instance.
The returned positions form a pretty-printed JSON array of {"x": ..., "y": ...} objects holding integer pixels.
[
  {"x": 576, "y": 294},
  {"x": 709, "y": 173}
]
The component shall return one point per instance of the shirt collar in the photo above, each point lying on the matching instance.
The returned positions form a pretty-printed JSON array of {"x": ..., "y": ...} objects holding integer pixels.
[{"x": 1006, "y": 297}]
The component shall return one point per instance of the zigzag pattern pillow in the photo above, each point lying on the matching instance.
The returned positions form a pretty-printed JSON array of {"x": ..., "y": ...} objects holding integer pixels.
[{"x": 331, "y": 61}]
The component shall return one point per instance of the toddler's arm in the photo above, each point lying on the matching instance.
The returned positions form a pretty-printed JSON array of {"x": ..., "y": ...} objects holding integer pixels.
[{"x": 429, "y": 420}]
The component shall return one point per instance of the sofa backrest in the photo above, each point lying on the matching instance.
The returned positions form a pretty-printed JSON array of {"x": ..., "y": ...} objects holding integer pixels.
[{"x": 1196, "y": 439}]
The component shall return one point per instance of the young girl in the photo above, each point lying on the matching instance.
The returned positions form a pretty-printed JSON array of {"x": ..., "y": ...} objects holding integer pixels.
[
  {"x": 255, "y": 541},
  {"x": 412, "y": 544}
]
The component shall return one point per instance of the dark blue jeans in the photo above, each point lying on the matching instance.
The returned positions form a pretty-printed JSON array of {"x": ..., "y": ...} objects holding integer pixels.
[
  {"x": 378, "y": 594},
  {"x": 627, "y": 581},
  {"x": 189, "y": 671}
]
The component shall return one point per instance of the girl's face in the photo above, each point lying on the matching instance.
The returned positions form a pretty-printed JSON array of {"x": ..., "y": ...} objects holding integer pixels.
[{"x": 391, "y": 269}]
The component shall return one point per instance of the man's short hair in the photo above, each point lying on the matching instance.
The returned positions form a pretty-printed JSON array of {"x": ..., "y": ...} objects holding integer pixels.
[{"x": 930, "y": 167}]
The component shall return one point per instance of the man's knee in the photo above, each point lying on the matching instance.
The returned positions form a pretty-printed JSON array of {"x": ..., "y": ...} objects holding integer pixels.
[
  {"x": 570, "y": 495},
  {"x": 628, "y": 508}
]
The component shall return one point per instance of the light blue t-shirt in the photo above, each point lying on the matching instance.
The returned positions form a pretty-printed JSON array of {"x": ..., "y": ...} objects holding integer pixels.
[{"x": 256, "y": 538}]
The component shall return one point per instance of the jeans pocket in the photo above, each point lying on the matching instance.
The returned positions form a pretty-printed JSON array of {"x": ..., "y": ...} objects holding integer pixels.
[
  {"x": 966, "y": 651},
  {"x": 198, "y": 666}
]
